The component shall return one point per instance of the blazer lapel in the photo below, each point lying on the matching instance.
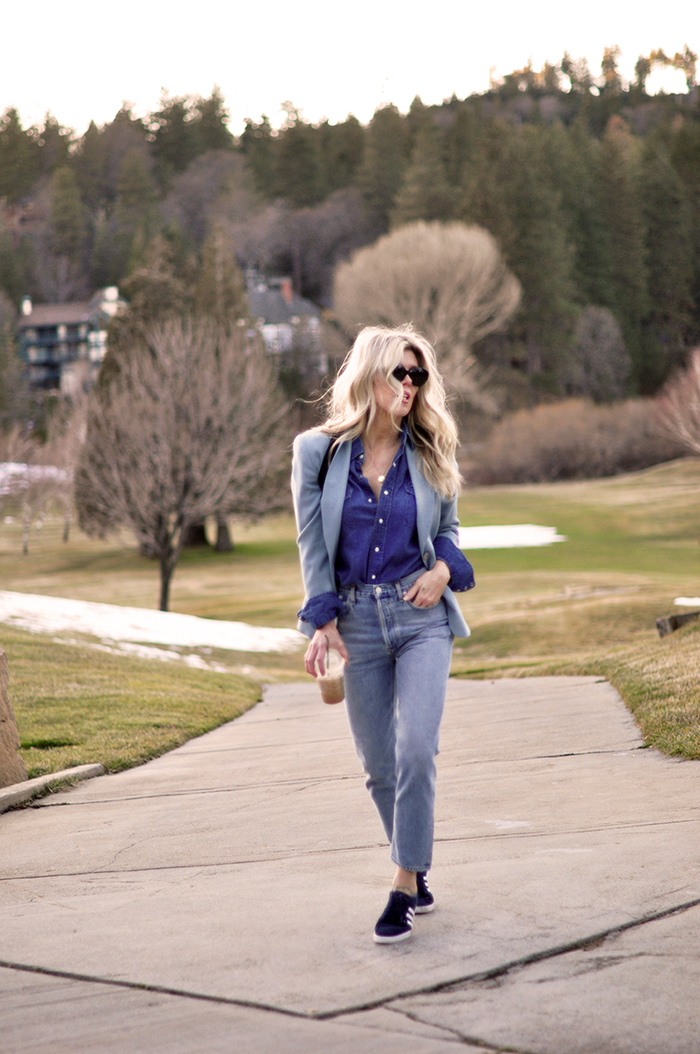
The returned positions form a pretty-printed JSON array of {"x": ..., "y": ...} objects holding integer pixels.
[
  {"x": 333, "y": 498},
  {"x": 425, "y": 499}
]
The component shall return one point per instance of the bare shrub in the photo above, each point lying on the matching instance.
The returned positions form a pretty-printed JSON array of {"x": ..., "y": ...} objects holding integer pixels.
[
  {"x": 599, "y": 364},
  {"x": 39, "y": 476},
  {"x": 679, "y": 405},
  {"x": 449, "y": 279},
  {"x": 574, "y": 439}
]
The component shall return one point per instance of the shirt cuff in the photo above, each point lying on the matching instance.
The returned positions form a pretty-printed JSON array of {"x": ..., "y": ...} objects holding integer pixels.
[
  {"x": 461, "y": 571},
  {"x": 321, "y": 609}
]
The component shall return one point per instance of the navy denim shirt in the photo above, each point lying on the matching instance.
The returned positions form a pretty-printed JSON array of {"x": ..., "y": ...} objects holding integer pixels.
[{"x": 378, "y": 537}]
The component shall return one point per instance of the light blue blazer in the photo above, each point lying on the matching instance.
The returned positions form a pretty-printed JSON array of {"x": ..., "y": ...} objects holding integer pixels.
[{"x": 318, "y": 514}]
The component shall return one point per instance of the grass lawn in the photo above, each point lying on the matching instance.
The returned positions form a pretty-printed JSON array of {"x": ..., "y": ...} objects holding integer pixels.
[
  {"x": 75, "y": 705},
  {"x": 586, "y": 605}
]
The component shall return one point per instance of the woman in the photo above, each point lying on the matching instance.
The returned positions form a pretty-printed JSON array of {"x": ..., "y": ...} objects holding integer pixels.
[{"x": 375, "y": 494}]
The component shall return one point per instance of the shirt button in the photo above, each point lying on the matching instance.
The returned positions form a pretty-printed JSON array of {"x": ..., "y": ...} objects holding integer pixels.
[
  {"x": 374, "y": 576},
  {"x": 376, "y": 548},
  {"x": 386, "y": 491},
  {"x": 369, "y": 500},
  {"x": 381, "y": 521}
]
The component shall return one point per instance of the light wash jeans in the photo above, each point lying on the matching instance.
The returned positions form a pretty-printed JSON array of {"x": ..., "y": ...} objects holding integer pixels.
[{"x": 395, "y": 694}]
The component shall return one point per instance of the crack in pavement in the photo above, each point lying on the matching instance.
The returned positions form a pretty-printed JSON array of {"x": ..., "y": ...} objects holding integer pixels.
[
  {"x": 365, "y": 847},
  {"x": 582, "y": 944},
  {"x": 539, "y": 833},
  {"x": 615, "y": 751},
  {"x": 285, "y": 744},
  {"x": 463, "y": 1037},
  {"x": 482, "y": 976},
  {"x": 200, "y": 864},
  {"x": 233, "y": 789}
]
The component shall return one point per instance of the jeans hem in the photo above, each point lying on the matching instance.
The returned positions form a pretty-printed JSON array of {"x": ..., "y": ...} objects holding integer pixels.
[{"x": 403, "y": 867}]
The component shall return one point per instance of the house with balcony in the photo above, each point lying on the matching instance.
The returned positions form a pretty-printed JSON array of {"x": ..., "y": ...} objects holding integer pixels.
[{"x": 63, "y": 345}]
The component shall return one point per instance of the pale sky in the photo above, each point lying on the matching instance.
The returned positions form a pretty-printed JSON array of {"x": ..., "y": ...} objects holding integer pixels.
[{"x": 80, "y": 60}]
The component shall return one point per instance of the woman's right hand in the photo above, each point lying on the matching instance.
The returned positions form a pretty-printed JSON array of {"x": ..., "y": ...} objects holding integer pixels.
[{"x": 325, "y": 637}]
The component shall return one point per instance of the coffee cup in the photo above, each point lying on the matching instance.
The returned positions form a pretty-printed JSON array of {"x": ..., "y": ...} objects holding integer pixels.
[{"x": 332, "y": 680}]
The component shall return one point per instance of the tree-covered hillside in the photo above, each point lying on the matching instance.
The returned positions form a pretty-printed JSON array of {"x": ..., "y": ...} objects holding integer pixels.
[{"x": 591, "y": 189}]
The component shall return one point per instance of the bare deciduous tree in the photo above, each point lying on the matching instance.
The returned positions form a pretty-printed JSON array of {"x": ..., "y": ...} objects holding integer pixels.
[
  {"x": 599, "y": 364},
  {"x": 42, "y": 474},
  {"x": 449, "y": 279},
  {"x": 191, "y": 425},
  {"x": 679, "y": 405}
]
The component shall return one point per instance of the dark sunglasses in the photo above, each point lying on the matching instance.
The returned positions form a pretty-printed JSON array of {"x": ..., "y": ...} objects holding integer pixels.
[{"x": 418, "y": 375}]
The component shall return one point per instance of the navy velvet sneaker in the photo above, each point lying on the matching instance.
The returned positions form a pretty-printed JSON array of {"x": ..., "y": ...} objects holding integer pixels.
[
  {"x": 425, "y": 901},
  {"x": 396, "y": 921}
]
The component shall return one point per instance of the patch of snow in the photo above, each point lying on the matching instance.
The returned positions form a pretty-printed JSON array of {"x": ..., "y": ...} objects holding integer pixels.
[
  {"x": 508, "y": 536},
  {"x": 15, "y": 476},
  {"x": 687, "y": 602},
  {"x": 143, "y": 651},
  {"x": 42, "y": 614}
]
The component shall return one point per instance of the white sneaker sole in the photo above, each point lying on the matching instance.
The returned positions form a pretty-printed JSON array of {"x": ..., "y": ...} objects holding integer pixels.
[
  {"x": 392, "y": 940},
  {"x": 425, "y": 909}
]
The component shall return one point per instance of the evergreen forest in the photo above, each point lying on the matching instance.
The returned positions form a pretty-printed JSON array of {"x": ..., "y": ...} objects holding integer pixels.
[{"x": 590, "y": 186}]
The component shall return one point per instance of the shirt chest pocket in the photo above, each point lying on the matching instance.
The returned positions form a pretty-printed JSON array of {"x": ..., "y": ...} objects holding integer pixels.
[{"x": 405, "y": 498}]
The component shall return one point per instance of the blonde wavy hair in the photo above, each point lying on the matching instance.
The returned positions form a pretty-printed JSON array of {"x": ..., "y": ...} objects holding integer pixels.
[{"x": 352, "y": 406}]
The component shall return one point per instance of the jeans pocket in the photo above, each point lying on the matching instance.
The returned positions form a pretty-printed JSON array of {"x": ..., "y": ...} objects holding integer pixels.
[{"x": 428, "y": 607}]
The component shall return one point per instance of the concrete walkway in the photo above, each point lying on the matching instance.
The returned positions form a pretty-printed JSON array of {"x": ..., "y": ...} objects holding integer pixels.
[{"x": 222, "y": 898}]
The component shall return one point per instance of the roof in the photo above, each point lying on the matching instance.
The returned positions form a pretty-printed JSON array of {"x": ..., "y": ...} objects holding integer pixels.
[
  {"x": 57, "y": 314},
  {"x": 101, "y": 306},
  {"x": 270, "y": 306}
]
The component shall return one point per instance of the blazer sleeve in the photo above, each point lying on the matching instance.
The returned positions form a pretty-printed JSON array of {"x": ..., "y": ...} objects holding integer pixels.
[
  {"x": 446, "y": 547},
  {"x": 321, "y": 600}
]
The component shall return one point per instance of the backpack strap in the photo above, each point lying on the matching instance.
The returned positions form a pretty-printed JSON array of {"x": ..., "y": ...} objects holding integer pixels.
[{"x": 325, "y": 464}]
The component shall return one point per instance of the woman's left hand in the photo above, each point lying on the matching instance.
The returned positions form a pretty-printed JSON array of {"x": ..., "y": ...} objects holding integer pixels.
[{"x": 429, "y": 587}]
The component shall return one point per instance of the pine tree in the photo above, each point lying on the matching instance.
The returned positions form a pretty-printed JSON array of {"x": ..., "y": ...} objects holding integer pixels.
[
  {"x": 15, "y": 266},
  {"x": 162, "y": 287},
  {"x": 385, "y": 162},
  {"x": 257, "y": 145},
  {"x": 136, "y": 188},
  {"x": 685, "y": 155},
  {"x": 461, "y": 142},
  {"x": 484, "y": 187},
  {"x": 542, "y": 257},
  {"x": 67, "y": 218},
  {"x": 174, "y": 136},
  {"x": 220, "y": 292},
  {"x": 342, "y": 148},
  {"x": 90, "y": 162},
  {"x": 20, "y": 160},
  {"x": 572, "y": 157},
  {"x": 669, "y": 256},
  {"x": 210, "y": 123},
  {"x": 626, "y": 248},
  {"x": 120, "y": 240},
  {"x": 425, "y": 193},
  {"x": 54, "y": 142},
  {"x": 298, "y": 164}
]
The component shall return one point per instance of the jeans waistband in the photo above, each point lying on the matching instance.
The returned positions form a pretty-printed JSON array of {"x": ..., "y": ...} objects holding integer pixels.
[{"x": 381, "y": 589}]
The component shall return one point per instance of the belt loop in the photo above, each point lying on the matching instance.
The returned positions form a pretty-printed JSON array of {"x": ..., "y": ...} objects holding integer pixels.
[
  {"x": 351, "y": 594},
  {"x": 399, "y": 590}
]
